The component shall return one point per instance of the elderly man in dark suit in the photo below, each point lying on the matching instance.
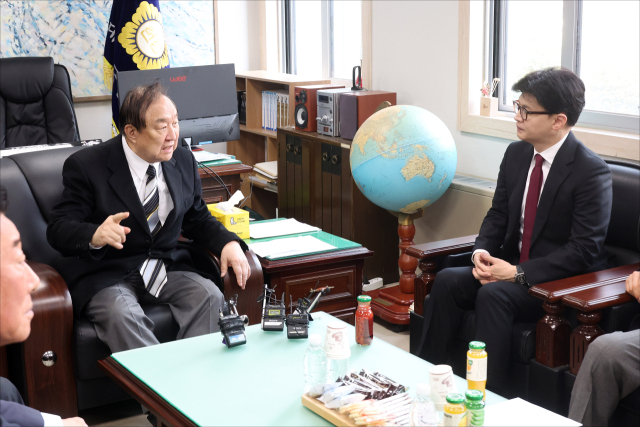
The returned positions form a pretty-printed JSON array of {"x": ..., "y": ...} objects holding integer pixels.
[
  {"x": 17, "y": 282},
  {"x": 548, "y": 221},
  {"x": 124, "y": 205}
]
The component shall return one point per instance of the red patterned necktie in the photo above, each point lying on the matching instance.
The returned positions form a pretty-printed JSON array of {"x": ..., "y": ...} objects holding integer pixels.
[{"x": 531, "y": 206}]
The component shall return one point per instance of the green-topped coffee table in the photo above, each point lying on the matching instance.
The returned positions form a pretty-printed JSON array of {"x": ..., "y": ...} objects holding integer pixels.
[{"x": 199, "y": 381}]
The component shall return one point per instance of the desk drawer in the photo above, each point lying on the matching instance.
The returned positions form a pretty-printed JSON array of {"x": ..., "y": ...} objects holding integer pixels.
[{"x": 342, "y": 280}]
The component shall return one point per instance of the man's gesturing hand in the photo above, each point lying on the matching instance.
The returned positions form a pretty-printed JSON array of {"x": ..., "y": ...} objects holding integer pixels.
[
  {"x": 232, "y": 255},
  {"x": 632, "y": 284},
  {"x": 111, "y": 232}
]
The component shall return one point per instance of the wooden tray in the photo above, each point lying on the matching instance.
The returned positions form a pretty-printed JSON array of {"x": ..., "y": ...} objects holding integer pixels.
[{"x": 331, "y": 415}]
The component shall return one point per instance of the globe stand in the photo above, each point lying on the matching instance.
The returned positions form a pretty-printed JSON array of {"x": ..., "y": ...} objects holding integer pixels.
[{"x": 392, "y": 304}]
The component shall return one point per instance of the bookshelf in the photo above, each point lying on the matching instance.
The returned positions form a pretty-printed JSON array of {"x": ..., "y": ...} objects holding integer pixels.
[{"x": 258, "y": 145}]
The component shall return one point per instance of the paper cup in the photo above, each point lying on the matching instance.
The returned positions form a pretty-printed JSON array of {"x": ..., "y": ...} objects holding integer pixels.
[
  {"x": 336, "y": 342},
  {"x": 442, "y": 383}
]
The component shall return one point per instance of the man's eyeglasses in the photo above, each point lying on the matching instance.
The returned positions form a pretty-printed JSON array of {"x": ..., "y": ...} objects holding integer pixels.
[{"x": 524, "y": 113}]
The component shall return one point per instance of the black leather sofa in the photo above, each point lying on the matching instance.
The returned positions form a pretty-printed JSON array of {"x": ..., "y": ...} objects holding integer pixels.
[
  {"x": 530, "y": 380},
  {"x": 74, "y": 382}
]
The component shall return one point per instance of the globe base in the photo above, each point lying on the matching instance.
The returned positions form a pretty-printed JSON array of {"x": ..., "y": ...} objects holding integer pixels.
[{"x": 392, "y": 304}]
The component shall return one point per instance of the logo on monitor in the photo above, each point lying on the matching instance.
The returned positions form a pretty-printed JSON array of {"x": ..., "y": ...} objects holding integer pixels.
[{"x": 178, "y": 79}]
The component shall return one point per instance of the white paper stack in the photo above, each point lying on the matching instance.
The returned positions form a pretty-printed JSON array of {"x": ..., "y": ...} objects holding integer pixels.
[
  {"x": 292, "y": 246},
  {"x": 279, "y": 228},
  {"x": 205, "y": 156}
]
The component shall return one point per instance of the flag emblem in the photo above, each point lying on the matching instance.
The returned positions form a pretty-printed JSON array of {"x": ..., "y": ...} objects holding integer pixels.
[{"x": 143, "y": 38}]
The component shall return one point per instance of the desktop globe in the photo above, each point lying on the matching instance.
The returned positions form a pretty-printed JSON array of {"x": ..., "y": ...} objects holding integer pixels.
[{"x": 403, "y": 158}]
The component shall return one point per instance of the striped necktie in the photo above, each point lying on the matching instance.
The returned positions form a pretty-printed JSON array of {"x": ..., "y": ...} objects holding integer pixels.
[{"x": 153, "y": 271}]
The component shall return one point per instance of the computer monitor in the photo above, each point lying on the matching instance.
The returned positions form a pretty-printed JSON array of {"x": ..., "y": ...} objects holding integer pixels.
[{"x": 205, "y": 96}]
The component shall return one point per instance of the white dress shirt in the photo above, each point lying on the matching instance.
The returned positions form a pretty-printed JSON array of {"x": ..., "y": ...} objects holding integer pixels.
[
  {"x": 138, "y": 168},
  {"x": 548, "y": 155}
]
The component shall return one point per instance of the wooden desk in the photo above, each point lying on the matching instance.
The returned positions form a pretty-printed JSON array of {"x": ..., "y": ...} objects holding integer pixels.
[
  {"x": 340, "y": 269},
  {"x": 212, "y": 190}
]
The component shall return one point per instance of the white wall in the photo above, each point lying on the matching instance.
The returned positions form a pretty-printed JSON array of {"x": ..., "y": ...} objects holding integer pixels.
[
  {"x": 94, "y": 119},
  {"x": 239, "y": 43},
  {"x": 238, "y": 30},
  {"x": 415, "y": 53}
]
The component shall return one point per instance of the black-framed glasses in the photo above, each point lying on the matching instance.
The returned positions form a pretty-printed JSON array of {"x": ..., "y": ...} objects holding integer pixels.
[{"x": 524, "y": 113}]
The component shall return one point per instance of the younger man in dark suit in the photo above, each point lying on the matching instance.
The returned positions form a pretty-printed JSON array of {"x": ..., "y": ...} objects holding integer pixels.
[
  {"x": 548, "y": 221},
  {"x": 124, "y": 205},
  {"x": 17, "y": 282}
]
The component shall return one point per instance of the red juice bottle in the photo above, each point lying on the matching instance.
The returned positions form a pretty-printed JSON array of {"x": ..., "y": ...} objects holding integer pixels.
[{"x": 364, "y": 321}]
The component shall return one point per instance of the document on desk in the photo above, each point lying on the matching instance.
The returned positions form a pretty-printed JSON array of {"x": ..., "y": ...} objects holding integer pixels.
[
  {"x": 518, "y": 412},
  {"x": 291, "y": 246},
  {"x": 205, "y": 156},
  {"x": 279, "y": 228}
]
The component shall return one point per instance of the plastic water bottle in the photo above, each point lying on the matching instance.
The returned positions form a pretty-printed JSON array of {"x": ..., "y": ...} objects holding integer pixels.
[
  {"x": 338, "y": 368},
  {"x": 423, "y": 410},
  {"x": 315, "y": 363}
]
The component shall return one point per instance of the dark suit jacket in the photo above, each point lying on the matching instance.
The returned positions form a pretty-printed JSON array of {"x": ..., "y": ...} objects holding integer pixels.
[
  {"x": 572, "y": 217},
  {"x": 13, "y": 414},
  {"x": 98, "y": 183}
]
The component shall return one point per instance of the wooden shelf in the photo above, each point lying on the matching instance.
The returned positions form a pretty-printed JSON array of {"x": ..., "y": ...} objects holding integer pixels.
[
  {"x": 281, "y": 78},
  {"x": 257, "y": 145},
  {"x": 263, "y": 132}
]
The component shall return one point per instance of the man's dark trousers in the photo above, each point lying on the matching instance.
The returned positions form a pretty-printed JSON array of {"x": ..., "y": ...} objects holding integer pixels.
[{"x": 498, "y": 305}]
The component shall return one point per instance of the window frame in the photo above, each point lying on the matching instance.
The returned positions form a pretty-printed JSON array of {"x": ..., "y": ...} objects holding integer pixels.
[
  {"x": 287, "y": 28},
  {"x": 471, "y": 71},
  {"x": 570, "y": 58}
]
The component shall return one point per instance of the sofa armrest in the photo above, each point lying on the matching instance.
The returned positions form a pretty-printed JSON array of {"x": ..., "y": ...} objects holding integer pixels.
[
  {"x": 429, "y": 255},
  {"x": 52, "y": 388},
  {"x": 247, "y": 298},
  {"x": 553, "y": 330},
  {"x": 442, "y": 247},
  {"x": 555, "y": 291}
]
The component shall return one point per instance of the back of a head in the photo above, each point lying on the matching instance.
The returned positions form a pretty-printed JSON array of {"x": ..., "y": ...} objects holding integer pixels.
[{"x": 556, "y": 89}]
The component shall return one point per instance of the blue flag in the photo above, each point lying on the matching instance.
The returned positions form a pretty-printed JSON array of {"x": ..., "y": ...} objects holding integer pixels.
[{"x": 135, "y": 41}]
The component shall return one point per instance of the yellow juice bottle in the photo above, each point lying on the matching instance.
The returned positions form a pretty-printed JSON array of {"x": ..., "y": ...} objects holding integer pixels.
[
  {"x": 454, "y": 410},
  {"x": 477, "y": 366}
]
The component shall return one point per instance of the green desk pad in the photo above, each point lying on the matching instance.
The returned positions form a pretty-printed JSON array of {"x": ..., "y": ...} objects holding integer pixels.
[
  {"x": 336, "y": 241},
  {"x": 259, "y": 383}
]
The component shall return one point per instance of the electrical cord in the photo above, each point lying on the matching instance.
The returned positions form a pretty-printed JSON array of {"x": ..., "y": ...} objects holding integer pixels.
[
  {"x": 209, "y": 172},
  {"x": 250, "y": 190}
]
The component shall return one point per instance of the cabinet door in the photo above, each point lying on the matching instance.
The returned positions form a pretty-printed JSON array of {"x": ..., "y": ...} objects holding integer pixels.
[{"x": 336, "y": 190}]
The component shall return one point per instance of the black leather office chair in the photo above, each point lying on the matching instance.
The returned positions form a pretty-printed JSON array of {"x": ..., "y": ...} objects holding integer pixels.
[
  {"x": 34, "y": 184},
  {"x": 36, "y": 105}
]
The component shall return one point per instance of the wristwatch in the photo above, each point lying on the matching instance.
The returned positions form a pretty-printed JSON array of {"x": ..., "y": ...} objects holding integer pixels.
[{"x": 519, "y": 277}]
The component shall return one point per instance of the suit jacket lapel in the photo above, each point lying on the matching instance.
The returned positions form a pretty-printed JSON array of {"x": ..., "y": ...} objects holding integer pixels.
[
  {"x": 122, "y": 183},
  {"x": 173, "y": 178},
  {"x": 560, "y": 170}
]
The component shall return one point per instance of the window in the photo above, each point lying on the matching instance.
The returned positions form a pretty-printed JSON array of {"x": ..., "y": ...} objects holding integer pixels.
[
  {"x": 321, "y": 37},
  {"x": 599, "y": 41}
]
